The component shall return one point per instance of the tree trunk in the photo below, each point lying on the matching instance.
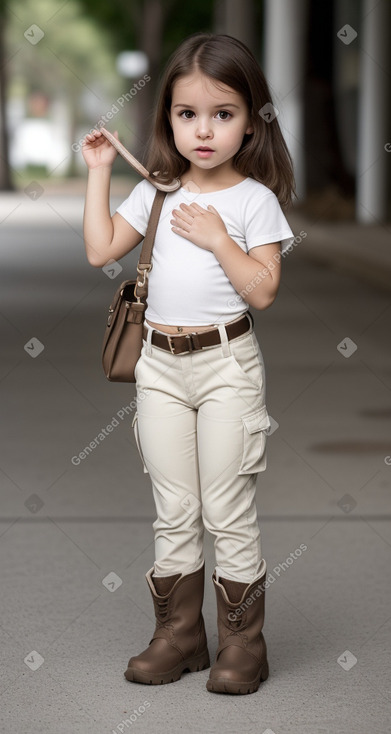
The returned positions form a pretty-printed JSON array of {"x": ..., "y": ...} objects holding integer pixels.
[
  {"x": 5, "y": 172},
  {"x": 150, "y": 36},
  {"x": 237, "y": 18}
]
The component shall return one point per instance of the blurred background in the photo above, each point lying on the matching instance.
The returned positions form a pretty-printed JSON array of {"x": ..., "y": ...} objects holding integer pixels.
[
  {"x": 76, "y": 516},
  {"x": 81, "y": 60}
]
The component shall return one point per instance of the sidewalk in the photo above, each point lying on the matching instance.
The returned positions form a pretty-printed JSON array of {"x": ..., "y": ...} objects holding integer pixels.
[{"x": 363, "y": 251}]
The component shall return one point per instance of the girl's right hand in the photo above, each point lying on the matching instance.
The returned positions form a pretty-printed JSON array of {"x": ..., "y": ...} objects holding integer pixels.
[{"x": 97, "y": 151}]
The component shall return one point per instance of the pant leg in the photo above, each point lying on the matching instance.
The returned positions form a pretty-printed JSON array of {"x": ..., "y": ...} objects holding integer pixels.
[
  {"x": 231, "y": 432},
  {"x": 166, "y": 426},
  {"x": 212, "y": 456}
]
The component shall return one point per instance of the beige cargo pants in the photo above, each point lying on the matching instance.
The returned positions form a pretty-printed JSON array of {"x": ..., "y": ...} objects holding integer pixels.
[{"x": 200, "y": 428}]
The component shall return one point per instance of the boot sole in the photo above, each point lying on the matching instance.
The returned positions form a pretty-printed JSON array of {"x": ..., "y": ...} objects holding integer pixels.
[
  {"x": 193, "y": 665},
  {"x": 224, "y": 685}
]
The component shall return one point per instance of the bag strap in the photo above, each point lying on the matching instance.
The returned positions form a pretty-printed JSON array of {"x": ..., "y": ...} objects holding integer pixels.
[
  {"x": 149, "y": 239},
  {"x": 144, "y": 264}
]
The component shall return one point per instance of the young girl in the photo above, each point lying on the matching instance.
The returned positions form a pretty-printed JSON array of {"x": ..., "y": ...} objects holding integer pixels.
[{"x": 201, "y": 418}]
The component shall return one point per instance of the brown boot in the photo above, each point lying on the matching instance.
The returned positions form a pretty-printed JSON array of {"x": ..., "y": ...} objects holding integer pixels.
[
  {"x": 179, "y": 641},
  {"x": 241, "y": 657}
]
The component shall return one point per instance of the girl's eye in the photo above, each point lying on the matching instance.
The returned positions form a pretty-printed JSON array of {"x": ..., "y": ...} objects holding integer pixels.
[
  {"x": 224, "y": 112},
  {"x": 188, "y": 114}
]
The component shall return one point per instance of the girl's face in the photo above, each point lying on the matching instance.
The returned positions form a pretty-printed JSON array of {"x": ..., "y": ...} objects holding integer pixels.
[{"x": 203, "y": 116}]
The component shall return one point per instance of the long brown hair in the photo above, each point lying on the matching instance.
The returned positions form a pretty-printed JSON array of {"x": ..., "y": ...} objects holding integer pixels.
[{"x": 263, "y": 155}]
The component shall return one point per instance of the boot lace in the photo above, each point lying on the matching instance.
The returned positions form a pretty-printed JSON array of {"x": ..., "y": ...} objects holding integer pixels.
[
  {"x": 161, "y": 613},
  {"x": 236, "y": 627}
]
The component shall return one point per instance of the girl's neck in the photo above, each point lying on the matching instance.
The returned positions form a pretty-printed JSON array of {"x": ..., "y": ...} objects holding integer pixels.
[{"x": 205, "y": 181}]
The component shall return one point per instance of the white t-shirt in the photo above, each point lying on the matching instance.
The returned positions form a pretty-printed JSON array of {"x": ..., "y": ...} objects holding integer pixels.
[{"x": 187, "y": 285}]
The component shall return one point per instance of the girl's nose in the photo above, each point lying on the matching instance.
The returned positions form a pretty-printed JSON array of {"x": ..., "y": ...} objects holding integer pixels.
[{"x": 204, "y": 128}]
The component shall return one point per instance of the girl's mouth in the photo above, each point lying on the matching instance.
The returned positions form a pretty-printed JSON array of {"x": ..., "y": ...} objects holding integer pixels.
[{"x": 204, "y": 152}]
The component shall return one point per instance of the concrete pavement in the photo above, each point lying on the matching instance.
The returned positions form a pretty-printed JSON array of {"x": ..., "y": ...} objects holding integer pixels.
[{"x": 76, "y": 537}]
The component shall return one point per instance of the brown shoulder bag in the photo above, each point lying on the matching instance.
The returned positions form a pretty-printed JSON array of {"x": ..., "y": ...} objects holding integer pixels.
[{"x": 123, "y": 338}]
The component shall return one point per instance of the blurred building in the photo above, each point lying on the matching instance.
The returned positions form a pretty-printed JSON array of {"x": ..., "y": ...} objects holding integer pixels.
[
  {"x": 329, "y": 68},
  {"x": 38, "y": 133}
]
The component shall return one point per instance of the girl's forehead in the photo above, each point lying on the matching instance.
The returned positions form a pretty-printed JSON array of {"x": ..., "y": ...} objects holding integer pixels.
[{"x": 197, "y": 82}]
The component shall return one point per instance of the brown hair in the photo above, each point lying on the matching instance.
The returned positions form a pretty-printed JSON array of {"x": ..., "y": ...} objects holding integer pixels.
[{"x": 263, "y": 155}]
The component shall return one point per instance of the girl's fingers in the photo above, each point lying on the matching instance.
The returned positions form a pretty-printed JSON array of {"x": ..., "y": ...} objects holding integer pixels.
[
  {"x": 185, "y": 208},
  {"x": 199, "y": 208},
  {"x": 178, "y": 223},
  {"x": 182, "y": 217},
  {"x": 193, "y": 206},
  {"x": 94, "y": 135}
]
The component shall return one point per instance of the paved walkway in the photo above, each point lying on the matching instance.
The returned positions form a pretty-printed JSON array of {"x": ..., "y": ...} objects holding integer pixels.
[
  {"x": 67, "y": 524},
  {"x": 363, "y": 251}
]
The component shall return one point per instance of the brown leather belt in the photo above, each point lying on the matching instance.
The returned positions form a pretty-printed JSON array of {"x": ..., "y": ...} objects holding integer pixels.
[{"x": 194, "y": 341}]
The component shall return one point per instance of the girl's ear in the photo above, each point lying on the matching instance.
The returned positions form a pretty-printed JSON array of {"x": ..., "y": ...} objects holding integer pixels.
[{"x": 249, "y": 130}]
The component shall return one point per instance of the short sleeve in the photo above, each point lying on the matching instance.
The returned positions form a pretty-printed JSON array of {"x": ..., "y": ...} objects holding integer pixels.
[
  {"x": 265, "y": 222},
  {"x": 137, "y": 207}
]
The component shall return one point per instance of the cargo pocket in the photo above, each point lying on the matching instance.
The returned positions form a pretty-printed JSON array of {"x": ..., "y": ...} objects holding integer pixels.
[
  {"x": 137, "y": 437},
  {"x": 255, "y": 426}
]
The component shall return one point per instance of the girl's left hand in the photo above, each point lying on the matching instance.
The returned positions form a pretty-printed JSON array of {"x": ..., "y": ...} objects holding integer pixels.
[{"x": 203, "y": 227}]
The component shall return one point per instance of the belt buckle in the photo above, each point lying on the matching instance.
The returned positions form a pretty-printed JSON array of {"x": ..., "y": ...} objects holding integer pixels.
[
  {"x": 169, "y": 343},
  {"x": 170, "y": 339}
]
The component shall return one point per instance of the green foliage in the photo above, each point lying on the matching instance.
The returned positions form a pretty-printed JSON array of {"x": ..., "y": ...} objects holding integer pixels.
[
  {"x": 73, "y": 53},
  {"x": 116, "y": 17},
  {"x": 185, "y": 19},
  {"x": 124, "y": 18}
]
